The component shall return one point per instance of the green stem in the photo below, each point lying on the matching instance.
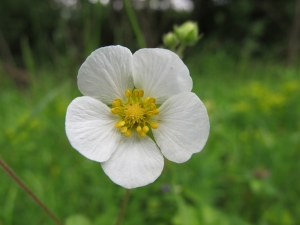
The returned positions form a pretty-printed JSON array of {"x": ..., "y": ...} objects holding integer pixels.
[
  {"x": 135, "y": 26},
  {"x": 180, "y": 50},
  {"x": 29, "y": 192},
  {"x": 123, "y": 207}
]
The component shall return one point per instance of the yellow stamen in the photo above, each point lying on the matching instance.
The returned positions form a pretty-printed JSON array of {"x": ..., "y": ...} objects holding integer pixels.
[
  {"x": 135, "y": 113},
  {"x": 156, "y": 111},
  {"x": 128, "y": 93},
  {"x": 118, "y": 100},
  {"x": 138, "y": 128},
  {"x": 150, "y": 113},
  {"x": 141, "y": 93},
  {"x": 136, "y": 93},
  {"x": 152, "y": 100},
  {"x": 119, "y": 124},
  {"x": 128, "y": 133},
  {"x": 115, "y": 110},
  {"x": 152, "y": 106},
  {"x": 142, "y": 134},
  {"x": 124, "y": 129},
  {"x": 154, "y": 125},
  {"x": 116, "y": 104},
  {"x": 145, "y": 129}
]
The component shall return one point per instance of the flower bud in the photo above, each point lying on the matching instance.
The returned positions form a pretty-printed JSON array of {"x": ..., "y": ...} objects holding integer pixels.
[
  {"x": 187, "y": 33},
  {"x": 170, "y": 40}
]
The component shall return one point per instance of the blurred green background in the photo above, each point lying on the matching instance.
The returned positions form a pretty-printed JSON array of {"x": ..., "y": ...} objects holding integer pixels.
[{"x": 245, "y": 69}]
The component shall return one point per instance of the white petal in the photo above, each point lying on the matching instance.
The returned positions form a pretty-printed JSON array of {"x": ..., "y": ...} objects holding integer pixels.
[
  {"x": 90, "y": 128},
  {"x": 136, "y": 162},
  {"x": 183, "y": 128},
  {"x": 106, "y": 74},
  {"x": 161, "y": 73}
]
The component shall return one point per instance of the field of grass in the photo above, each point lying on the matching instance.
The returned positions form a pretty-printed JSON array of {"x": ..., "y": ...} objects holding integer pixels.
[{"x": 248, "y": 173}]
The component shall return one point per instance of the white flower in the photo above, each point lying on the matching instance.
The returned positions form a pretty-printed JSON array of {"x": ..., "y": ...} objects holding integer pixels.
[{"x": 136, "y": 109}]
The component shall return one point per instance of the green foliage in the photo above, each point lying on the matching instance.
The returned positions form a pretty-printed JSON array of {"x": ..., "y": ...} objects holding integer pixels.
[
  {"x": 77, "y": 220},
  {"x": 52, "y": 29},
  {"x": 246, "y": 174}
]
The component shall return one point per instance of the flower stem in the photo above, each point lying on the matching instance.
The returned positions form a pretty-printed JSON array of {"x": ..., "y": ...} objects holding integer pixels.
[
  {"x": 134, "y": 24},
  {"x": 32, "y": 195},
  {"x": 180, "y": 50},
  {"x": 123, "y": 207}
]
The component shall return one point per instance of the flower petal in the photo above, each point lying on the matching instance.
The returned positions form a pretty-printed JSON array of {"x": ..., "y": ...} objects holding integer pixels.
[
  {"x": 161, "y": 73},
  {"x": 90, "y": 128},
  {"x": 136, "y": 162},
  {"x": 183, "y": 128},
  {"x": 106, "y": 74}
]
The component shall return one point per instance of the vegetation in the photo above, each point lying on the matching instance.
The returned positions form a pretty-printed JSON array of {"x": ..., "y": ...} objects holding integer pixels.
[{"x": 246, "y": 174}]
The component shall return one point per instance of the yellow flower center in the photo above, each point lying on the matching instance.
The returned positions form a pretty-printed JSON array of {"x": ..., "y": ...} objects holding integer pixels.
[{"x": 135, "y": 113}]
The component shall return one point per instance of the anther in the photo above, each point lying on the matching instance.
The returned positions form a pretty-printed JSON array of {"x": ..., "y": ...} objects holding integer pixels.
[
  {"x": 124, "y": 129},
  {"x": 128, "y": 133},
  {"x": 136, "y": 93},
  {"x": 118, "y": 100},
  {"x": 150, "y": 113},
  {"x": 119, "y": 124},
  {"x": 141, "y": 93},
  {"x": 138, "y": 129},
  {"x": 152, "y": 106},
  {"x": 146, "y": 99},
  {"x": 115, "y": 110},
  {"x": 145, "y": 129},
  {"x": 142, "y": 134},
  {"x": 116, "y": 104},
  {"x": 154, "y": 125},
  {"x": 152, "y": 100},
  {"x": 128, "y": 93},
  {"x": 156, "y": 111}
]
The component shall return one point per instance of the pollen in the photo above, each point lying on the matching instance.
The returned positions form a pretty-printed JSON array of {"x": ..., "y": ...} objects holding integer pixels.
[{"x": 135, "y": 114}]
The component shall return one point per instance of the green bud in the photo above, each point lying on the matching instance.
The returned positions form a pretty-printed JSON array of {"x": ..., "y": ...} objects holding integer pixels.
[
  {"x": 170, "y": 40},
  {"x": 187, "y": 33}
]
